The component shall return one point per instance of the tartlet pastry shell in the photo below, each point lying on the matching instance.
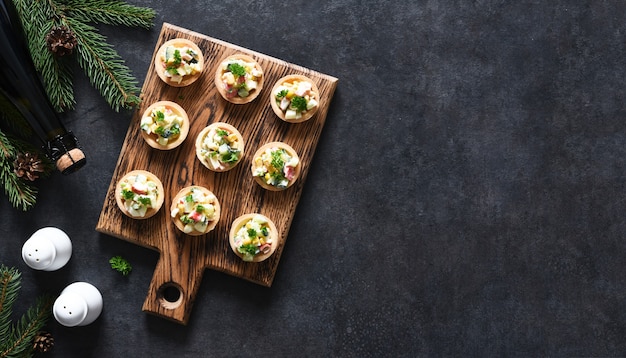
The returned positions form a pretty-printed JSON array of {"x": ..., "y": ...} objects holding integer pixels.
[
  {"x": 203, "y": 134},
  {"x": 306, "y": 116},
  {"x": 160, "y": 69},
  {"x": 151, "y": 211},
  {"x": 219, "y": 84},
  {"x": 289, "y": 150},
  {"x": 184, "y": 130},
  {"x": 184, "y": 192},
  {"x": 239, "y": 222}
]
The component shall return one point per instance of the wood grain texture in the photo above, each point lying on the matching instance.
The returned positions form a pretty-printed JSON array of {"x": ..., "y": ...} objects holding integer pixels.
[{"x": 184, "y": 258}]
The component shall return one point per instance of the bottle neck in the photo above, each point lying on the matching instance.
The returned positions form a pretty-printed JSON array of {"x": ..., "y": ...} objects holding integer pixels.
[{"x": 63, "y": 150}]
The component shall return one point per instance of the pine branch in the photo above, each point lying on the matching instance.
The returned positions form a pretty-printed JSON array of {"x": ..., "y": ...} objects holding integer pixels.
[
  {"x": 20, "y": 194},
  {"x": 23, "y": 334},
  {"x": 111, "y": 12},
  {"x": 55, "y": 72},
  {"x": 17, "y": 340},
  {"x": 10, "y": 281},
  {"x": 104, "y": 67}
]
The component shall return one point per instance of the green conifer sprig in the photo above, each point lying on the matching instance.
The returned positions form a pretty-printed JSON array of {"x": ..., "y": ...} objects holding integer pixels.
[
  {"x": 55, "y": 72},
  {"x": 109, "y": 12},
  {"x": 106, "y": 70},
  {"x": 21, "y": 194},
  {"x": 16, "y": 340},
  {"x": 98, "y": 59}
]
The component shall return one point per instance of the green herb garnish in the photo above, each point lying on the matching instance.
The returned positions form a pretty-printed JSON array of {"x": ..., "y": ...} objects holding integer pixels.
[
  {"x": 298, "y": 103},
  {"x": 282, "y": 94},
  {"x": 185, "y": 219},
  {"x": 159, "y": 116},
  {"x": 120, "y": 264},
  {"x": 277, "y": 159},
  {"x": 230, "y": 157},
  {"x": 144, "y": 200},
  {"x": 127, "y": 194},
  {"x": 173, "y": 67},
  {"x": 251, "y": 233},
  {"x": 236, "y": 69},
  {"x": 248, "y": 249}
]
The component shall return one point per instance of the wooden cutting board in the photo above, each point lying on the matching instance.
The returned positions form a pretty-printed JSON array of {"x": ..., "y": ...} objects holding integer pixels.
[{"x": 184, "y": 258}]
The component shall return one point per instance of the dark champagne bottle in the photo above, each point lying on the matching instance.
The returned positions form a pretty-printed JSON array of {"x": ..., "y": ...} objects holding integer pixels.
[{"x": 20, "y": 83}]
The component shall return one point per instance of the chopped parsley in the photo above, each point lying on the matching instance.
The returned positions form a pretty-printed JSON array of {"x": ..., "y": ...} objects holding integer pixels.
[
  {"x": 265, "y": 231},
  {"x": 277, "y": 159},
  {"x": 172, "y": 67},
  {"x": 185, "y": 219},
  {"x": 248, "y": 249},
  {"x": 282, "y": 94},
  {"x": 121, "y": 265},
  {"x": 159, "y": 116},
  {"x": 144, "y": 200},
  {"x": 236, "y": 69},
  {"x": 230, "y": 157},
  {"x": 298, "y": 103},
  {"x": 128, "y": 194},
  {"x": 252, "y": 233},
  {"x": 166, "y": 133}
]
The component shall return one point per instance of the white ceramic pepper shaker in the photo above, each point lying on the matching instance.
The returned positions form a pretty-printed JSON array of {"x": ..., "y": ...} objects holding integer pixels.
[
  {"x": 48, "y": 249},
  {"x": 79, "y": 304}
]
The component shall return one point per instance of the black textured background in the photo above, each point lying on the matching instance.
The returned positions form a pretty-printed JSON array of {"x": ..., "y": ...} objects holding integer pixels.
[{"x": 466, "y": 197}]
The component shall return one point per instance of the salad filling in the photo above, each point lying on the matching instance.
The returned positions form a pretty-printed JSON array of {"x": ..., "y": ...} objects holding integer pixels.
[
  {"x": 163, "y": 123},
  {"x": 254, "y": 238},
  {"x": 196, "y": 210},
  {"x": 138, "y": 193},
  {"x": 179, "y": 62},
  {"x": 295, "y": 98},
  {"x": 239, "y": 78},
  {"x": 220, "y": 147},
  {"x": 276, "y": 167}
]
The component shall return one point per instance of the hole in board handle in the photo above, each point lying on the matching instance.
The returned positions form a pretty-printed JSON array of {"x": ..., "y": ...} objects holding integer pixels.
[{"x": 170, "y": 295}]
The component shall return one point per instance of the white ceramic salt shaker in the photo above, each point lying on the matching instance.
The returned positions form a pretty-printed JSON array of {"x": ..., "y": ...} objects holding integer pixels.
[
  {"x": 79, "y": 304},
  {"x": 48, "y": 249}
]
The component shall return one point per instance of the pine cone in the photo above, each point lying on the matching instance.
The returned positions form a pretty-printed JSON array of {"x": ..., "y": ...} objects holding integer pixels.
[
  {"x": 29, "y": 165},
  {"x": 61, "y": 40},
  {"x": 43, "y": 342}
]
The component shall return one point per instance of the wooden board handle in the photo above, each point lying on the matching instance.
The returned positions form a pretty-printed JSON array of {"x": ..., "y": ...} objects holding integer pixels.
[{"x": 174, "y": 285}]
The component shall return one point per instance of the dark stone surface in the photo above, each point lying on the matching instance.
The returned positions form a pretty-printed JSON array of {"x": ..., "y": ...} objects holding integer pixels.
[{"x": 466, "y": 196}]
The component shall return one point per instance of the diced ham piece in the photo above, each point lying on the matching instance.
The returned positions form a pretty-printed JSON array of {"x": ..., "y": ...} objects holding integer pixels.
[{"x": 289, "y": 172}]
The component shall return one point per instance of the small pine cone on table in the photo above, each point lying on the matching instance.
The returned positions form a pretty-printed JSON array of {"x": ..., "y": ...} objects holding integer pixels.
[
  {"x": 28, "y": 165},
  {"x": 43, "y": 342}
]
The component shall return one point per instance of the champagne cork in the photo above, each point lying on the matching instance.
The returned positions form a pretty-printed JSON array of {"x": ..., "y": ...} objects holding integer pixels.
[{"x": 71, "y": 161}]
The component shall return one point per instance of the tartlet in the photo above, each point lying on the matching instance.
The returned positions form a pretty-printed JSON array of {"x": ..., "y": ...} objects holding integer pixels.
[
  {"x": 179, "y": 62},
  {"x": 253, "y": 237},
  {"x": 295, "y": 98},
  {"x": 219, "y": 147},
  {"x": 195, "y": 210},
  {"x": 139, "y": 194},
  {"x": 239, "y": 78},
  {"x": 275, "y": 166},
  {"x": 164, "y": 125}
]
